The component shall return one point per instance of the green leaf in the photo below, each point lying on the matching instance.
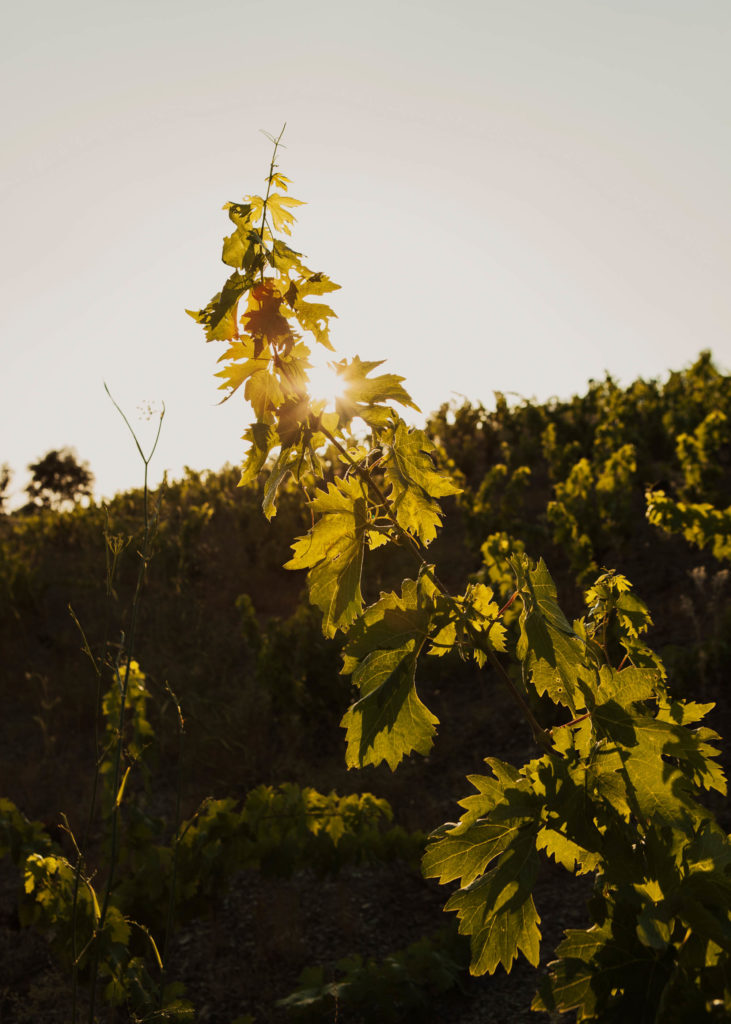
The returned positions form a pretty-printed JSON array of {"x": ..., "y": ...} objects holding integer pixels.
[
  {"x": 314, "y": 317},
  {"x": 116, "y": 925},
  {"x": 566, "y": 852},
  {"x": 606, "y": 974},
  {"x": 219, "y": 316},
  {"x": 483, "y": 612},
  {"x": 280, "y": 469},
  {"x": 631, "y": 685},
  {"x": 474, "y": 613},
  {"x": 240, "y": 366},
  {"x": 243, "y": 249},
  {"x": 365, "y": 396},
  {"x": 415, "y": 483},
  {"x": 692, "y": 746},
  {"x": 361, "y": 389},
  {"x": 653, "y": 928},
  {"x": 649, "y": 749},
  {"x": 284, "y": 259},
  {"x": 389, "y": 721},
  {"x": 632, "y": 615},
  {"x": 264, "y": 392},
  {"x": 392, "y": 622},
  {"x": 497, "y": 911},
  {"x": 571, "y": 812},
  {"x": 262, "y": 438},
  {"x": 316, "y": 284},
  {"x": 496, "y": 908},
  {"x": 478, "y": 805},
  {"x": 548, "y": 646},
  {"x": 571, "y": 985},
  {"x": 466, "y": 854},
  {"x": 333, "y": 552}
]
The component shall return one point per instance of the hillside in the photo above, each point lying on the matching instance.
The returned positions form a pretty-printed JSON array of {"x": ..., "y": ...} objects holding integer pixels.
[{"x": 227, "y": 634}]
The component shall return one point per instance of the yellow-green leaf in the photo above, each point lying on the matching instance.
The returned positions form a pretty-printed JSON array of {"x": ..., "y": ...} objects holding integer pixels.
[
  {"x": 333, "y": 552},
  {"x": 389, "y": 721}
]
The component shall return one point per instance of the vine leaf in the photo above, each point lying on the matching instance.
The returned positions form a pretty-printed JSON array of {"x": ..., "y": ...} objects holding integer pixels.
[
  {"x": 282, "y": 218},
  {"x": 264, "y": 392},
  {"x": 571, "y": 986},
  {"x": 314, "y": 317},
  {"x": 392, "y": 622},
  {"x": 218, "y": 318},
  {"x": 278, "y": 180},
  {"x": 333, "y": 552},
  {"x": 643, "y": 743},
  {"x": 389, "y": 721},
  {"x": 283, "y": 465},
  {"x": 465, "y": 855},
  {"x": 240, "y": 364},
  {"x": 415, "y": 483},
  {"x": 474, "y": 613},
  {"x": 497, "y": 911},
  {"x": 602, "y": 964},
  {"x": 364, "y": 396},
  {"x": 262, "y": 438},
  {"x": 264, "y": 319},
  {"x": 566, "y": 852},
  {"x": 548, "y": 646},
  {"x": 242, "y": 249}
]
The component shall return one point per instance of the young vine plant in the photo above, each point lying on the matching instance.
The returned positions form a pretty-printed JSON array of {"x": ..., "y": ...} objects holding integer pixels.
[{"x": 615, "y": 789}]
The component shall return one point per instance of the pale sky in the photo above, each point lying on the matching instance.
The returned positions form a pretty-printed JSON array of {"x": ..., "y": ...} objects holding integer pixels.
[{"x": 515, "y": 196}]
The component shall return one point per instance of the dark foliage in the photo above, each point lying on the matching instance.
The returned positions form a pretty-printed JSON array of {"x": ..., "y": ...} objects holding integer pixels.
[{"x": 58, "y": 480}]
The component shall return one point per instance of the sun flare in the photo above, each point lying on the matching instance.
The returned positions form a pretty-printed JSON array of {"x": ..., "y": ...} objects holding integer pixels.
[{"x": 325, "y": 384}]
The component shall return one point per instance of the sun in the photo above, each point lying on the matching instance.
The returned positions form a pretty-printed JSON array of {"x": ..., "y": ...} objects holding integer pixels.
[{"x": 325, "y": 384}]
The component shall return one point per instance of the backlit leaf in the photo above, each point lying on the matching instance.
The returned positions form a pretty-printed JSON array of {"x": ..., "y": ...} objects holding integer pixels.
[
  {"x": 279, "y": 213},
  {"x": 465, "y": 855},
  {"x": 389, "y": 721},
  {"x": 262, "y": 439},
  {"x": 264, "y": 319},
  {"x": 264, "y": 392},
  {"x": 333, "y": 552},
  {"x": 219, "y": 316},
  {"x": 415, "y": 483},
  {"x": 280, "y": 469},
  {"x": 497, "y": 911},
  {"x": 566, "y": 852},
  {"x": 240, "y": 368},
  {"x": 365, "y": 396},
  {"x": 314, "y": 317},
  {"x": 552, "y": 651},
  {"x": 393, "y": 621}
]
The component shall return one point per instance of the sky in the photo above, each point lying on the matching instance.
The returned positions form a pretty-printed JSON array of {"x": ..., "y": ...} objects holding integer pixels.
[{"x": 515, "y": 196}]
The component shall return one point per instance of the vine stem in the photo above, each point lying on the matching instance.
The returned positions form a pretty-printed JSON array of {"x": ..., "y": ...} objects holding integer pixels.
[
  {"x": 508, "y": 603},
  {"x": 272, "y": 165},
  {"x": 541, "y": 736},
  {"x": 574, "y": 721}
]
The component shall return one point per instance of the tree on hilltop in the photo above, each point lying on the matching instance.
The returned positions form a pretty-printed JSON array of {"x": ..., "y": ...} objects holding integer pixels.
[{"x": 58, "y": 480}]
